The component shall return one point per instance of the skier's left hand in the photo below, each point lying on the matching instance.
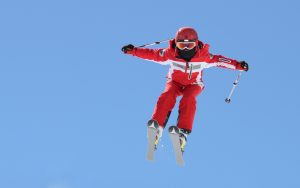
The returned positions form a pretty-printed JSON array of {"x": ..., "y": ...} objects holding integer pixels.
[{"x": 244, "y": 65}]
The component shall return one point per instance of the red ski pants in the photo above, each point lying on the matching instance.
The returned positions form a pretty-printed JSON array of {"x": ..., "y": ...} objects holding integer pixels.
[{"x": 187, "y": 105}]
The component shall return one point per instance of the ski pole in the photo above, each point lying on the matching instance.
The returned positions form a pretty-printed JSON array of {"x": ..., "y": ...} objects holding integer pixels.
[
  {"x": 228, "y": 99},
  {"x": 154, "y": 43}
]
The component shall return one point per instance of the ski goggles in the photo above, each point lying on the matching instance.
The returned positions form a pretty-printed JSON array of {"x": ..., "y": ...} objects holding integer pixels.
[{"x": 185, "y": 45}]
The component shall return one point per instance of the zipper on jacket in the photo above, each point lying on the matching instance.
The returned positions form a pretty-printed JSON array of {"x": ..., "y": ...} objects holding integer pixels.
[
  {"x": 186, "y": 66},
  {"x": 191, "y": 71}
]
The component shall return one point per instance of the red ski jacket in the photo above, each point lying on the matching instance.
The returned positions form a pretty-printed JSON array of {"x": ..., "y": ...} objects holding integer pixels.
[{"x": 182, "y": 72}]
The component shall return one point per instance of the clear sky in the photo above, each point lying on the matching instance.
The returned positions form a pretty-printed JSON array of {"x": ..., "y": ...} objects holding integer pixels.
[{"x": 73, "y": 108}]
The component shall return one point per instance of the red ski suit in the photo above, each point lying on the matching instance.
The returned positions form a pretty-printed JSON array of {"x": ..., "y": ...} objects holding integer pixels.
[{"x": 184, "y": 79}]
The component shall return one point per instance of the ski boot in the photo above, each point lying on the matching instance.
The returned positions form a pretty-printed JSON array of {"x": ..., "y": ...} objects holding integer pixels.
[{"x": 183, "y": 138}]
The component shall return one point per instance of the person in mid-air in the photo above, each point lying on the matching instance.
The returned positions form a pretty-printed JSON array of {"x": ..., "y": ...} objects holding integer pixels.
[{"x": 187, "y": 57}]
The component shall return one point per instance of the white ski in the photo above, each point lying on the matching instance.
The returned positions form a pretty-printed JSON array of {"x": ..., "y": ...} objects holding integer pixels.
[
  {"x": 174, "y": 135},
  {"x": 152, "y": 130}
]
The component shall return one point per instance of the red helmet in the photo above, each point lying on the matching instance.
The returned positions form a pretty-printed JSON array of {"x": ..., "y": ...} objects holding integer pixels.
[{"x": 186, "y": 33}]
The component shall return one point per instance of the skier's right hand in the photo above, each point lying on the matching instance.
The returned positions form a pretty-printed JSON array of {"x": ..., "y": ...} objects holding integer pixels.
[{"x": 127, "y": 49}]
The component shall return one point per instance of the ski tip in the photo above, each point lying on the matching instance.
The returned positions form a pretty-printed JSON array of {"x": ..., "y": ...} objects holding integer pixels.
[
  {"x": 173, "y": 129},
  {"x": 153, "y": 124}
]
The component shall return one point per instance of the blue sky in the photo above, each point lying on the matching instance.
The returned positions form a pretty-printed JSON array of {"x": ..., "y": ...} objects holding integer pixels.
[{"x": 73, "y": 108}]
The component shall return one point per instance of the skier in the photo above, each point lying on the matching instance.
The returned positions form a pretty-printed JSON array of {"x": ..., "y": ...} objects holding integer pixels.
[{"x": 187, "y": 57}]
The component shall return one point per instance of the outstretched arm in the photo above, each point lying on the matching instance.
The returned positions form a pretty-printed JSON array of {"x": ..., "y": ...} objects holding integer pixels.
[
  {"x": 224, "y": 62},
  {"x": 157, "y": 55}
]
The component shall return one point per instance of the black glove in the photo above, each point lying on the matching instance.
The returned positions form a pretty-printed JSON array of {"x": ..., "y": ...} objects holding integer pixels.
[
  {"x": 244, "y": 65},
  {"x": 127, "y": 49}
]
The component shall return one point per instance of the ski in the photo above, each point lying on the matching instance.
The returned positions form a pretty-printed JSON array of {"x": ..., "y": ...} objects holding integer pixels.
[
  {"x": 174, "y": 135},
  {"x": 152, "y": 131}
]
